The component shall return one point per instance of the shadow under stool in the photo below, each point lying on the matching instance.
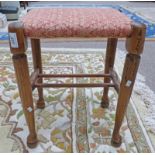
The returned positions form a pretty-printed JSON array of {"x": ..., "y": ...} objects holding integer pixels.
[{"x": 75, "y": 23}]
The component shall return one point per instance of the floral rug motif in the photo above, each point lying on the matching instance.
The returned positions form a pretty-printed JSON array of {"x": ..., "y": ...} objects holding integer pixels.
[{"x": 72, "y": 120}]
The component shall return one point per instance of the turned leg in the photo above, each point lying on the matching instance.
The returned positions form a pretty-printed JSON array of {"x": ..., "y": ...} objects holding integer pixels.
[
  {"x": 109, "y": 63},
  {"x": 18, "y": 47},
  {"x": 134, "y": 45},
  {"x": 37, "y": 63}
]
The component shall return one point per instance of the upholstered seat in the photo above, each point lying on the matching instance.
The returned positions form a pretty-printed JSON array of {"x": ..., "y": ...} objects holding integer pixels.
[{"x": 79, "y": 22}]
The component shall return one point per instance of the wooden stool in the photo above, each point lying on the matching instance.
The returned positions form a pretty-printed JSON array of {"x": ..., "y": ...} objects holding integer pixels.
[{"x": 86, "y": 23}]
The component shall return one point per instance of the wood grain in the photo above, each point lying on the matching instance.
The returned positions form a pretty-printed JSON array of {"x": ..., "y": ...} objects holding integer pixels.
[
  {"x": 37, "y": 63},
  {"x": 109, "y": 63},
  {"x": 23, "y": 81},
  {"x": 134, "y": 45},
  {"x": 17, "y": 28}
]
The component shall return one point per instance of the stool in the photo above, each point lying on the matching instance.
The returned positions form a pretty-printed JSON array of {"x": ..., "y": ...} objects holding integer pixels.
[{"x": 75, "y": 23}]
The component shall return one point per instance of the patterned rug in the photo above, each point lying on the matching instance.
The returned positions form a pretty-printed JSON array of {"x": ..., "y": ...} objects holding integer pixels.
[{"x": 72, "y": 120}]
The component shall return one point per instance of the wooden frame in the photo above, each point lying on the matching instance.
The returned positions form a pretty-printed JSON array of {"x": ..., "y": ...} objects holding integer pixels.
[{"x": 26, "y": 83}]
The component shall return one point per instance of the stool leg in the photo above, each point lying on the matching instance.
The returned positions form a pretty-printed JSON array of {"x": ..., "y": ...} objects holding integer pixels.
[
  {"x": 128, "y": 79},
  {"x": 134, "y": 46},
  {"x": 37, "y": 63},
  {"x": 18, "y": 46},
  {"x": 109, "y": 63},
  {"x": 25, "y": 91}
]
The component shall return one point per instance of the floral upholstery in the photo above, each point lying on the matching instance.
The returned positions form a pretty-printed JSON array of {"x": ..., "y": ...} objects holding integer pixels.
[{"x": 76, "y": 22}]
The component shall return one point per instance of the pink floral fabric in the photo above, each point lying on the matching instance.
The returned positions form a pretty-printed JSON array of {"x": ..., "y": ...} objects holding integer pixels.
[{"x": 76, "y": 22}]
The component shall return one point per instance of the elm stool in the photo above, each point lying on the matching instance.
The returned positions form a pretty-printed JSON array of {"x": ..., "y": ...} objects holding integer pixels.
[{"x": 75, "y": 23}]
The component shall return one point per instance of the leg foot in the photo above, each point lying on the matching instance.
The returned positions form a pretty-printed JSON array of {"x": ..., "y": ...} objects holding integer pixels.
[
  {"x": 116, "y": 141},
  {"x": 32, "y": 141},
  {"x": 41, "y": 104},
  {"x": 105, "y": 102}
]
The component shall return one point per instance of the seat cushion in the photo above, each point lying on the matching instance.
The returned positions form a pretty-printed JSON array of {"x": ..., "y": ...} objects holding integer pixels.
[{"x": 76, "y": 22}]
